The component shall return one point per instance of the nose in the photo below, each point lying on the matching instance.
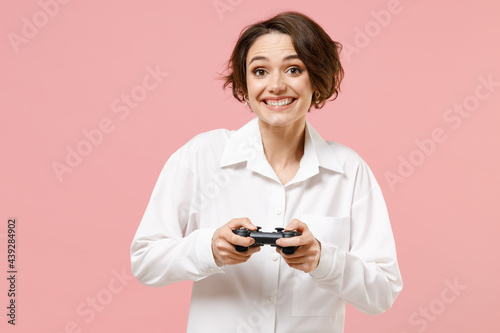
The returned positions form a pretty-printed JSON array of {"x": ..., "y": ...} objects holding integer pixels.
[{"x": 277, "y": 83}]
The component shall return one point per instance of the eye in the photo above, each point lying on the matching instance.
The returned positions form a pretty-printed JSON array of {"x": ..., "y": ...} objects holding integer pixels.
[
  {"x": 294, "y": 70},
  {"x": 259, "y": 72}
]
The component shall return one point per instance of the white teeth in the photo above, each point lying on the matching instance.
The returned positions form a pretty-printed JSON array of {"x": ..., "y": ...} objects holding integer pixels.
[{"x": 280, "y": 102}]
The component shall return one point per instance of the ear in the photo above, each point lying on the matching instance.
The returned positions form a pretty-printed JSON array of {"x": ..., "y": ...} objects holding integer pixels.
[{"x": 243, "y": 94}]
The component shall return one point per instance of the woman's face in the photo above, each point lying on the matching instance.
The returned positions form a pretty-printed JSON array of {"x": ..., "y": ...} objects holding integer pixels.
[{"x": 279, "y": 88}]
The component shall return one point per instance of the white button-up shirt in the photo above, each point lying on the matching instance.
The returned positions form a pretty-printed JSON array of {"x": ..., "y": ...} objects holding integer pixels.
[{"x": 221, "y": 175}]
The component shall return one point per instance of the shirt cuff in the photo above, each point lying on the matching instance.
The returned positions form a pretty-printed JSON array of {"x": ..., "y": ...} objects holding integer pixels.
[
  {"x": 325, "y": 262},
  {"x": 204, "y": 252}
]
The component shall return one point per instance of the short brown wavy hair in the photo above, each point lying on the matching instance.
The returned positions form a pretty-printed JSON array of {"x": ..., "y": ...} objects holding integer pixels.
[{"x": 313, "y": 45}]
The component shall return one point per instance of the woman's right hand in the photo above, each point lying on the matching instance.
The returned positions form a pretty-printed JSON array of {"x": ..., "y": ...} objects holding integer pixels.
[{"x": 224, "y": 241}]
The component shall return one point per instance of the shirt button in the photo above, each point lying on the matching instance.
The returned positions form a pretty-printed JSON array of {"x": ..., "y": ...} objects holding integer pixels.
[
  {"x": 270, "y": 300},
  {"x": 277, "y": 211},
  {"x": 211, "y": 269},
  {"x": 275, "y": 256}
]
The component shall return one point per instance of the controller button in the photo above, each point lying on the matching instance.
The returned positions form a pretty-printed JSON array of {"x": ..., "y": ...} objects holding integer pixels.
[{"x": 278, "y": 229}]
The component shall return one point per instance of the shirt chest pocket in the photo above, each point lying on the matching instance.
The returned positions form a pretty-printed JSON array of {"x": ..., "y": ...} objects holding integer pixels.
[
  {"x": 331, "y": 230},
  {"x": 308, "y": 298}
]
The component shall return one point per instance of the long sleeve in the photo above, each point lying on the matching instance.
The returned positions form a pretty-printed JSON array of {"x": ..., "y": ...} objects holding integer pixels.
[
  {"x": 367, "y": 275},
  {"x": 221, "y": 175},
  {"x": 168, "y": 247}
]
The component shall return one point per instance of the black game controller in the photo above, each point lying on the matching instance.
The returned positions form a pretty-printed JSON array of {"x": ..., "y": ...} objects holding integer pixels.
[{"x": 262, "y": 238}]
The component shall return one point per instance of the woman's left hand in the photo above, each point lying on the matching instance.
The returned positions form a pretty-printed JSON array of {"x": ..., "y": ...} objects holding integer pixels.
[{"x": 306, "y": 257}]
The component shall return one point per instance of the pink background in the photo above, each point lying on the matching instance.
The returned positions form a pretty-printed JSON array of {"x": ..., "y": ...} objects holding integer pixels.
[{"x": 66, "y": 75}]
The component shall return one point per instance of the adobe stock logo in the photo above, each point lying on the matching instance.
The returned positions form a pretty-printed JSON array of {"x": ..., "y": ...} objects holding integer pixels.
[
  {"x": 30, "y": 27},
  {"x": 381, "y": 19},
  {"x": 223, "y": 6},
  {"x": 425, "y": 315},
  {"x": 97, "y": 303},
  {"x": 267, "y": 307},
  {"x": 122, "y": 107},
  {"x": 221, "y": 179},
  {"x": 454, "y": 117}
]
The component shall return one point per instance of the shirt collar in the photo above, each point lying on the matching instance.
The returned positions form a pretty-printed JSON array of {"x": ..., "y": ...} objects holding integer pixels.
[{"x": 245, "y": 144}]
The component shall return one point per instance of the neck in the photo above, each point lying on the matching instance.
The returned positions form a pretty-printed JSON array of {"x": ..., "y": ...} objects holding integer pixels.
[{"x": 283, "y": 145}]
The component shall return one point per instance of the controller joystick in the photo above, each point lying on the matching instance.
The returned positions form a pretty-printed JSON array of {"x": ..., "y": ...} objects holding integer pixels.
[{"x": 266, "y": 238}]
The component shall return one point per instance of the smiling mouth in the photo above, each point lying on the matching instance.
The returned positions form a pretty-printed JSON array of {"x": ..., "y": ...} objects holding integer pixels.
[{"x": 279, "y": 102}]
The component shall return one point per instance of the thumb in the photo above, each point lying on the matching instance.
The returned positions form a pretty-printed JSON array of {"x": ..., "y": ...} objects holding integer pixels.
[
  {"x": 293, "y": 225},
  {"x": 242, "y": 222},
  {"x": 248, "y": 224}
]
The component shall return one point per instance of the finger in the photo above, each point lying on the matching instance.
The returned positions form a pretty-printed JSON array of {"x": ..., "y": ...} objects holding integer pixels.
[
  {"x": 296, "y": 254},
  {"x": 254, "y": 249},
  {"x": 241, "y": 256},
  {"x": 242, "y": 222},
  {"x": 298, "y": 260},
  {"x": 240, "y": 240},
  {"x": 237, "y": 223},
  {"x": 227, "y": 235},
  {"x": 302, "y": 240},
  {"x": 246, "y": 223},
  {"x": 292, "y": 241},
  {"x": 302, "y": 253},
  {"x": 251, "y": 250},
  {"x": 236, "y": 254},
  {"x": 233, "y": 254},
  {"x": 301, "y": 262},
  {"x": 293, "y": 255},
  {"x": 307, "y": 259},
  {"x": 296, "y": 225},
  {"x": 223, "y": 244},
  {"x": 237, "y": 257},
  {"x": 284, "y": 255},
  {"x": 235, "y": 240}
]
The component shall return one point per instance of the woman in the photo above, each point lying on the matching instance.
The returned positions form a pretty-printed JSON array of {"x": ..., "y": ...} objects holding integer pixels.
[{"x": 276, "y": 171}]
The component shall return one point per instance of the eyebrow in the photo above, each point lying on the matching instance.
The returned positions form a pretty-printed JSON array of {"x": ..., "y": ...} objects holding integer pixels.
[{"x": 288, "y": 57}]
